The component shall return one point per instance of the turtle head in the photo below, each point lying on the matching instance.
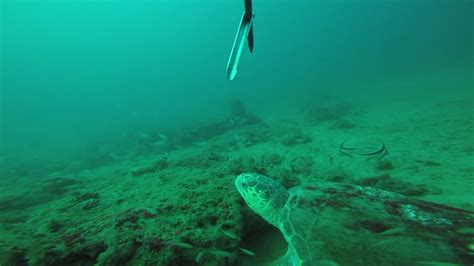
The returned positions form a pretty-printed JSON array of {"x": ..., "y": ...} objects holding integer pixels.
[{"x": 262, "y": 194}]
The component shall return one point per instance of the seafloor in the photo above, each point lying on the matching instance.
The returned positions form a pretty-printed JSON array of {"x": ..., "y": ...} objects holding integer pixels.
[{"x": 168, "y": 198}]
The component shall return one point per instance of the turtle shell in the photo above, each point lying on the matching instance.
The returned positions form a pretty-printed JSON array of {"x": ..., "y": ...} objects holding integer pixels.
[{"x": 354, "y": 225}]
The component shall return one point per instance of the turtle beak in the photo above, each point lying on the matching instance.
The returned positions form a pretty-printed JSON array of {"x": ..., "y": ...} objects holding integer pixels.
[
  {"x": 240, "y": 183},
  {"x": 245, "y": 180}
]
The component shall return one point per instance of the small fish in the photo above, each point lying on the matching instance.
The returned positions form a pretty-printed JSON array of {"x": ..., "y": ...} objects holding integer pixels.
[
  {"x": 199, "y": 256},
  {"x": 56, "y": 174},
  {"x": 392, "y": 231},
  {"x": 384, "y": 242},
  {"x": 221, "y": 253},
  {"x": 436, "y": 263},
  {"x": 229, "y": 234},
  {"x": 183, "y": 245},
  {"x": 247, "y": 252},
  {"x": 466, "y": 230},
  {"x": 470, "y": 247},
  {"x": 327, "y": 263},
  {"x": 163, "y": 137}
]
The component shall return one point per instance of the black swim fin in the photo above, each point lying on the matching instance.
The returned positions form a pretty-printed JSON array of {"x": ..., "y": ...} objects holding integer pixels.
[{"x": 245, "y": 31}]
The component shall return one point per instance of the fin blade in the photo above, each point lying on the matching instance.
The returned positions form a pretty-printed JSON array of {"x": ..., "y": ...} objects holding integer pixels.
[
  {"x": 242, "y": 34},
  {"x": 248, "y": 6},
  {"x": 250, "y": 39}
]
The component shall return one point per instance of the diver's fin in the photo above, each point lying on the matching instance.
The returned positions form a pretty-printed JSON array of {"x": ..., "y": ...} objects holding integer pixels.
[
  {"x": 249, "y": 9},
  {"x": 250, "y": 39},
  {"x": 242, "y": 35},
  {"x": 248, "y": 6}
]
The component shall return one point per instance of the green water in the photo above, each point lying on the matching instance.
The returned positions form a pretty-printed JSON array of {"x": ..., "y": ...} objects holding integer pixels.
[{"x": 120, "y": 135}]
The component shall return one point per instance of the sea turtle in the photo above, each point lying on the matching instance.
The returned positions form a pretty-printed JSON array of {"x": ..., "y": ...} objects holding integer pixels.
[{"x": 329, "y": 223}]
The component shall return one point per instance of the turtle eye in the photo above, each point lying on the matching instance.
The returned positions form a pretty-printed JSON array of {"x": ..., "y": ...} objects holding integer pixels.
[{"x": 266, "y": 194}]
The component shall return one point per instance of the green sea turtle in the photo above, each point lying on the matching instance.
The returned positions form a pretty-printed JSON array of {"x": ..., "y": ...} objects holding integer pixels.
[{"x": 339, "y": 224}]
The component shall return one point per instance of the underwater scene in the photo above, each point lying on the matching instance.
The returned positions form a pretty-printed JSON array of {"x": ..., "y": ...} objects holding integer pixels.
[{"x": 237, "y": 132}]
